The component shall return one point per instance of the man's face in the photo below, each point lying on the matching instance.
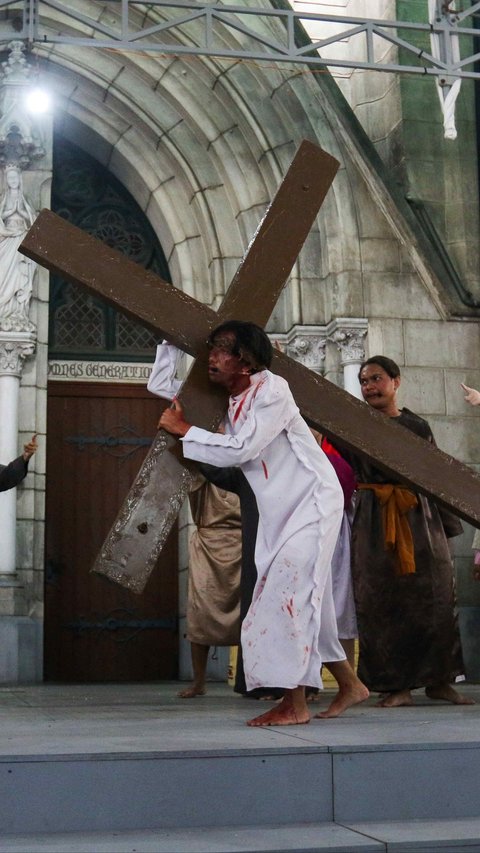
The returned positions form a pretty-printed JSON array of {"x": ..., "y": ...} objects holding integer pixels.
[
  {"x": 224, "y": 368},
  {"x": 378, "y": 388}
]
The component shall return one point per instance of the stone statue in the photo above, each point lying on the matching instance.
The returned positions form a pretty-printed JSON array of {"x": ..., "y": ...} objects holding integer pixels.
[{"x": 16, "y": 271}]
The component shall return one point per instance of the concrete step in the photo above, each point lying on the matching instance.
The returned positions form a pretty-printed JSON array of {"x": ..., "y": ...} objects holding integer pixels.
[
  {"x": 237, "y": 787},
  {"x": 120, "y": 761},
  {"x": 443, "y": 836}
]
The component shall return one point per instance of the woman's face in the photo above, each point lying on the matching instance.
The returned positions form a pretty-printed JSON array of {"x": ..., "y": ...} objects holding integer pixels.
[
  {"x": 378, "y": 388},
  {"x": 13, "y": 179}
]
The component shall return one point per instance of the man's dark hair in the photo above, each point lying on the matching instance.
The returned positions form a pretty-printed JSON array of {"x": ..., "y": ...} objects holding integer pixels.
[
  {"x": 252, "y": 344},
  {"x": 389, "y": 365}
]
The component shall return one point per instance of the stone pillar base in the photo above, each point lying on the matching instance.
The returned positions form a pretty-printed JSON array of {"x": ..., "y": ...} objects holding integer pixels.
[
  {"x": 21, "y": 650},
  {"x": 12, "y": 596}
]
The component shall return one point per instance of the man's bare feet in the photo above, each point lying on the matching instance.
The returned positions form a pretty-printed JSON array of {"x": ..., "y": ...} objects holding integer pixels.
[
  {"x": 191, "y": 692},
  {"x": 448, "y": 694},
  {"x": 284, "y": 714},
  {"x": 345, "y": 698},
  {"x": 397, "y": 699}
]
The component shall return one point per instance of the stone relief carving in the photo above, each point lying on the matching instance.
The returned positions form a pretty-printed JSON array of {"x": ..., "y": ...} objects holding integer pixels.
[
  {"x": 12, "y": 355},
  {"x": 16, "y": 271},
  {"x": 21, "y": 136}
]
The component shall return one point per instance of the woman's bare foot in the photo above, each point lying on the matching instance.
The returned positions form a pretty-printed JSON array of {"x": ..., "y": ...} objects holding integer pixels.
[
  {"x": 191, "y": 692},
  {"x": 397, "y": 699},
  {"x": 290, "y": 711},
  {"x": 345, "y": 698},
  {"x": 448, "y": 694}
]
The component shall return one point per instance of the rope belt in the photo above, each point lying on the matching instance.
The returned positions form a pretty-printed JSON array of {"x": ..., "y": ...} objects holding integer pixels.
[{"x": 396, "y": 501}]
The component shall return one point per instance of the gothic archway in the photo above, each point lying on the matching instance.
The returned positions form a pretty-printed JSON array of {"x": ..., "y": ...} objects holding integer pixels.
[{"x": 97, "y": 436}]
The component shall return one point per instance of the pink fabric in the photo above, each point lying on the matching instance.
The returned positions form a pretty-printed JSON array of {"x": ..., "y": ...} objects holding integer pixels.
[{"x": 345, "y": 475}]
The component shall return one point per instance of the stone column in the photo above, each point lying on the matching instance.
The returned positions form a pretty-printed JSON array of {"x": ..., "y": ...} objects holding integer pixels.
[
  {"x": 14, "y": 348},
  {"x": 20, "y": 145},
  {"x": 25, "y": 169},
  {"x": 348, "y": 334}
]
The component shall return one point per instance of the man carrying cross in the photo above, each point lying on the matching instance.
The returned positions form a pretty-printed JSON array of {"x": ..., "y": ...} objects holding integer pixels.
[
  {"x": 290, "y": 629},
  {"x": 131, "y": 550}
]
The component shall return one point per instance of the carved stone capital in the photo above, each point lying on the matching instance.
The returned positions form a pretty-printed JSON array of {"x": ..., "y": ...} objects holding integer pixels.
[
  {"x": 350, "y": 340},
  {"x": 13, "y": 352},
  {"x": 309, "y": 350},
  {"x": 304, "y": 344}
]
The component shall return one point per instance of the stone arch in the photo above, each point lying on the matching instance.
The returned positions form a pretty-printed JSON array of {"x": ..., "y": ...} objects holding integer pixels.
[{"x": 202, "y": 144}]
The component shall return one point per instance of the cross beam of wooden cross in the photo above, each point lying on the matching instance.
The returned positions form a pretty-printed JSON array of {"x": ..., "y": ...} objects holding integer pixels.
[{"x": 135, "y": 540}]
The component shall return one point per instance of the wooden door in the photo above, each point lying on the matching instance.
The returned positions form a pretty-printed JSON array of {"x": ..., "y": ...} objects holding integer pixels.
[{"x": 95, "y": 630}]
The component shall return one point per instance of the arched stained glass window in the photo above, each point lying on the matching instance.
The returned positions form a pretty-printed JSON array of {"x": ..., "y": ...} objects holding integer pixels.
[{"x": 81, "y": 325}]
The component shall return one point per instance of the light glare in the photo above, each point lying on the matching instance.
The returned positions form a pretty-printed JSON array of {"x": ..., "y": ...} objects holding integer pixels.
[{"x": 37, "y": 101}]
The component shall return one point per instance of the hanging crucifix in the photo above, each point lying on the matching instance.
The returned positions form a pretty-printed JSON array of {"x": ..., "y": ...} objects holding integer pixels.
[{"x": 135, "y": 540}]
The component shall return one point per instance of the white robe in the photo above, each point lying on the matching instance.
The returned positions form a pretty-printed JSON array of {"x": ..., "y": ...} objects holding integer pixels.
[
  {"x": 162, "y": 380},
  {"x": 342, "y": 581},
  {"x": 290, "y": 629}
]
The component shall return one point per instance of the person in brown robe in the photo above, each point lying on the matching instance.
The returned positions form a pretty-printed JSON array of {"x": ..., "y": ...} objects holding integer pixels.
[
  {"x": 402, "y": 568},
  {"x": 213, "y": 597}
]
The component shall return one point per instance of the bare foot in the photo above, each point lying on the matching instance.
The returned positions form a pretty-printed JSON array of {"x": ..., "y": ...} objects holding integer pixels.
[
  {"x": 397, "y": 699},
  {"x": 345, "y": 698},
  {"x": 191, "y": 692},
  {"x": 448, "y": 694},
  {"x": 283, "y": 714}
]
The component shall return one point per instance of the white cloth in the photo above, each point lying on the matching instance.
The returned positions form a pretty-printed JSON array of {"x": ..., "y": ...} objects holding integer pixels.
[
  {"x": 162, "y": 380},
  {"x": 448, "y": 91},
  {"x": 290, "y": 629},
  {"x": 342, "y": 584},
  {"x": 476, "y": 540}
]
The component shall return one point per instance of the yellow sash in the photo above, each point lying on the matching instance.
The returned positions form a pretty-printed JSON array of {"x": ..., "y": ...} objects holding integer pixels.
[{"x": 396, "y": 501}]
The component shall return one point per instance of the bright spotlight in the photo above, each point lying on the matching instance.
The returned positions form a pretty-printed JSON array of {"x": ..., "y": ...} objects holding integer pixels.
[{"x": 37, "y": 101}]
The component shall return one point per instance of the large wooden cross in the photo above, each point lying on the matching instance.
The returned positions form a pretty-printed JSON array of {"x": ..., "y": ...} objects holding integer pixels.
[{"x": 132, "y": 547}]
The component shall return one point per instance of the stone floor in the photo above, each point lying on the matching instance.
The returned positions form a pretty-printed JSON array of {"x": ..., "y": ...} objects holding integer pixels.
[{"x": 93, "y": 718}]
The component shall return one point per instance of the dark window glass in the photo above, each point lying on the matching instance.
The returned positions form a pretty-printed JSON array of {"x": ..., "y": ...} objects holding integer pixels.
[{"x": 82, "y": 326}]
